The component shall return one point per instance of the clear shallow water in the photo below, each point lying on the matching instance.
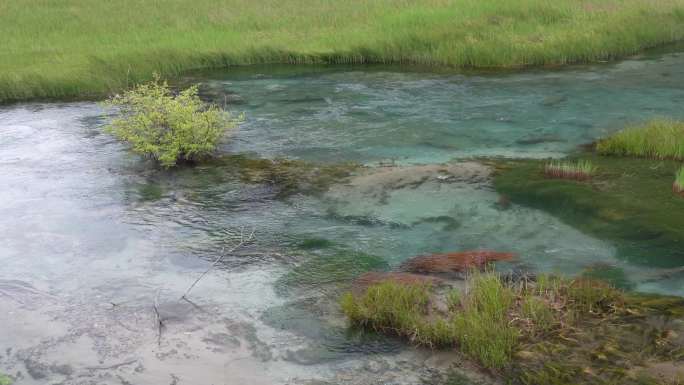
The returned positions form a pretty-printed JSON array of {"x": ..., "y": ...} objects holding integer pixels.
[
  {"x": 91, "y": 234},
  {"x": 373, "y": 114}
]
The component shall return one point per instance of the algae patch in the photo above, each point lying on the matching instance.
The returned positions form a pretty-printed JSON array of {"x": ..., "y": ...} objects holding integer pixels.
[
  {"x": 628, "y": 201},
  {"x": 289, "y": 176}
]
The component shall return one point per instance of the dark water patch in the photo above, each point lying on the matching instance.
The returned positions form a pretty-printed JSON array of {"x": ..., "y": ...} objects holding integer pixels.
[
  {"x": 614, "y": 275},
  {"x": 328, "y": 271},
  {"x": 325, "y": 341},
  {"x": 315, "y": 244}
]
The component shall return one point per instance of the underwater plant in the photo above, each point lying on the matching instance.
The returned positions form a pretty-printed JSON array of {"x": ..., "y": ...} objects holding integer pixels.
[
  {"x": 658, "y": 139},
  {"x": 579, "y": 170}
]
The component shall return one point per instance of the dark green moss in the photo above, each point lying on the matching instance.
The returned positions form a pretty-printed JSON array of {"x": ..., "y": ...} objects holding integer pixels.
[
  {"x": 338, "y": 267},
  {"x": 150, "y": 192},
  {"x": 289, "y": 176},
  {"x": 608, "y": 273},
  {"x": 315, "y": 244},
  {"x": 628, "y": 201}
]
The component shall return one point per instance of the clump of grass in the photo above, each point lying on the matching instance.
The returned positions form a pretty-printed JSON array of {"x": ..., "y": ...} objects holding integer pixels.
[
  {"x": 541, "y": 316},
  {"x": 393, "y": 308},
  {"x": 168, "y": 128},
  {"x": 658, "y": 139},
  {"x": 482, "y": 326},
  {"x": 489, "y": 320},
  {"x": 592, "y": 296},
  {"x": 81, "y": 48},
  {"x": 678, "y": 185},
  {"x": 5, "y": 380},
  {"x": 578, "y": 170}
]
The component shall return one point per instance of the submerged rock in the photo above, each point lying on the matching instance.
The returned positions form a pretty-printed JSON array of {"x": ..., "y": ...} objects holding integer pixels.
[
  {"x": 374, "y": 181},
  {"x": 454, "y": 262}
]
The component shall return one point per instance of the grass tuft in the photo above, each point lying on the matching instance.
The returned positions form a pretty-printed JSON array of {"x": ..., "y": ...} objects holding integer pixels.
[
  {"x": 657, "y": 139},
  {"x": 579, "y": 170},
  {"x": 393, "y": 308},
  {"x": 678, "y": 185},
  {"x": 482, "y": 326}
]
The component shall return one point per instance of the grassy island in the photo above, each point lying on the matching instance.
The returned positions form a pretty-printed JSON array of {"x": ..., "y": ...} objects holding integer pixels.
[
  {"x": 542, "y": 330},
  {"x": 83, "y": 49}
]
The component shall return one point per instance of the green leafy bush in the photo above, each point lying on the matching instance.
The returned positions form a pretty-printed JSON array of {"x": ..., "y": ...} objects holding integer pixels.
[{"x": 166, "y": 127}]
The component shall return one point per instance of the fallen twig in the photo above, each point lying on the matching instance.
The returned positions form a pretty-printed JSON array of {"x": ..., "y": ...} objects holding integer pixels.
[
  {"x": 243, "y": 241},
  {"x": 115, "y": 366},
  {"x": 159, "y": 322}
]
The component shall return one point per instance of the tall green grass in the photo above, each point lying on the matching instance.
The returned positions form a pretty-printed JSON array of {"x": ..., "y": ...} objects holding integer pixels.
[
  {"x": 75, "y": 48},
  {"x": 659, "y": 139},
  {"x": 482, "y": 327}
]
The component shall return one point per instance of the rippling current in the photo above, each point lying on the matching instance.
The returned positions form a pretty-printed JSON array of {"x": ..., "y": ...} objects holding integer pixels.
[{"x": 93, "y": 238}]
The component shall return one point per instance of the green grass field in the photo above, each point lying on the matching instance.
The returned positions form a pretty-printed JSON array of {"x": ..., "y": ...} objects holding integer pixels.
[{"x": 87, "y": 48}]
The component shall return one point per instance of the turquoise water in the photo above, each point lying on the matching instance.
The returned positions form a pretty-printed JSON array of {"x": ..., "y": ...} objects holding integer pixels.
[
  {"x": 93, "y": 236},
  {"x": 375, "y": 114}
]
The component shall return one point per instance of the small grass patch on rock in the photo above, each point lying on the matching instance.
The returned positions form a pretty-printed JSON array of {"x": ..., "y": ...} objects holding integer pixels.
[
  {"x": 657, "y": 139},
  {"x": 547, "y": 330},
  {"x": 578, "y": 170},
  {"x": 678, "y": 185}
]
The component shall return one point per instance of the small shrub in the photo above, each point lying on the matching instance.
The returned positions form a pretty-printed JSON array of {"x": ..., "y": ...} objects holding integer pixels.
[
  {"x": 168, "y": 128},
  {"x": 678, "y": 185},
  {"x": 580, "y": 170},
  {"x": 5, "y": 380},
  {"x": 659, "y": 139}
]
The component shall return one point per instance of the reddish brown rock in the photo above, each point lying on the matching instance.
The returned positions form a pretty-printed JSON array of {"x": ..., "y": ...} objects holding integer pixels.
[
  {"x": 454, "y": 262},
  {"x": 374, "y": 277}
]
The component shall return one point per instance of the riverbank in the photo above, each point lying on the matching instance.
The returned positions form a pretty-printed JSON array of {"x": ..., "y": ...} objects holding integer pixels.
[
  {"x": 522, "y": 330},
  {"x": 85, "y": 50}
]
